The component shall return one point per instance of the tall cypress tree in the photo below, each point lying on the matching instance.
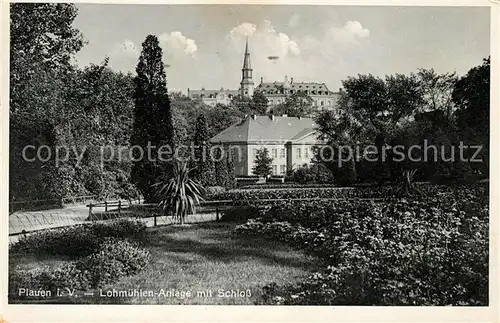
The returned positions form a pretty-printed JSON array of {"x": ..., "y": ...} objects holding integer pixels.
[
  {"x": 204, "y": 168},
  {"x": 153, "y": 119}
]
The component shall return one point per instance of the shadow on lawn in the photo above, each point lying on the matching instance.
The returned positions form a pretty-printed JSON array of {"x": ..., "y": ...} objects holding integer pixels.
[{"x": 218, "y": 242}]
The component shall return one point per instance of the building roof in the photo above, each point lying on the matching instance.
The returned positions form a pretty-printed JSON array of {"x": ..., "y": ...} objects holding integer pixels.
[
  {"x": 266, "y": 129},
  {"x": 246, "y": 60},
  {"x": 196, "y": 93},
  {"x": 277, "y": 87}
]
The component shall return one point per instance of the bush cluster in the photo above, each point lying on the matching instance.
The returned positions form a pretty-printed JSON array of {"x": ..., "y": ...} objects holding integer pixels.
[
  {"x": 285, "y": 185},
  {"x": 398, "y": 252},
  {"x": 113, "y": 260},
  {"x": 102, "y": 253},
  {"x": 79, "y": 240}
]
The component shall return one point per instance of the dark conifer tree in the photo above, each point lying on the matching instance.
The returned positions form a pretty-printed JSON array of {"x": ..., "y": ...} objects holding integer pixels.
[
  {"x": 153, "y": 127},
  {"x": 203, "y": 165}
]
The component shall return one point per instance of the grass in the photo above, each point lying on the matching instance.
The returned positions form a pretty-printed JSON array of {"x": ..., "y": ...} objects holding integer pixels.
[{"x": 204, "y": 257}]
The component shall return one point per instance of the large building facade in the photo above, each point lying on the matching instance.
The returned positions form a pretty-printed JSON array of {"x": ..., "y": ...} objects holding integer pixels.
[
  {"x": 289, "y": 141},
  {"x": 275, "y": 92}
]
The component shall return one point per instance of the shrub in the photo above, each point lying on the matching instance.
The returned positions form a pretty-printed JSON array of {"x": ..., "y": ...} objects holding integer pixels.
[
  {"x": 116, "y": 258},
  {"x": 211, "y": 190},
  {"x": 113, "y": 260},
  {"x": 79, "y": 240},
  {"x": 398, "y": 252}
]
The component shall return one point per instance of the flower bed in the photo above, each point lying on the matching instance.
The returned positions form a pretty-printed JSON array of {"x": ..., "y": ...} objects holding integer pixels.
[{"x": 432, "y": 251}]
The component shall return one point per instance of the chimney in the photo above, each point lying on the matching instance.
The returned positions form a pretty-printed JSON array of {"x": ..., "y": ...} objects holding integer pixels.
[
  {"x": 254, "y": 116},
  {"x": 291, "y": 80},
  {"x": 271, "y": 116},
  {"x": 261, "y": 80}
]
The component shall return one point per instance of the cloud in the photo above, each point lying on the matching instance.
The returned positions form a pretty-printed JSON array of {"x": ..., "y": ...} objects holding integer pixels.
[
  {"x": 244, "y": 29},
  {"x": 176, "y": 42},
  {"x": 355, "y": 28},
  {"x": 264, "y": 39},
  {"x": 351, "y": 32}
]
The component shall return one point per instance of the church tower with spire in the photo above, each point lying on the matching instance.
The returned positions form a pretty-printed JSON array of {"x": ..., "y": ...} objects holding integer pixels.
[{"x": 246, "y": 88}]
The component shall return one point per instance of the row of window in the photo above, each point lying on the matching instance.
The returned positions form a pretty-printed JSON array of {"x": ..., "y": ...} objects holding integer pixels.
[
  {"x": 282, "y": 91},
  {"x": 274, "y": 153},
  {"x": 282, "y": 170}
]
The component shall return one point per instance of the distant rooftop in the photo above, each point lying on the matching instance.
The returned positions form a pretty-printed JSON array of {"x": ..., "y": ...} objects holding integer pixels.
[{"x": 266, "y": 129}]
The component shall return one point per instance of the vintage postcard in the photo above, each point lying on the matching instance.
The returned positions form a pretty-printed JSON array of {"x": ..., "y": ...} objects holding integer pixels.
[{"x": 318, "y": 161}]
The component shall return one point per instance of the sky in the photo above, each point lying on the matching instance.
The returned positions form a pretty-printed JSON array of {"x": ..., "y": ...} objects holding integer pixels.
[{"x": 203, "y": 45}]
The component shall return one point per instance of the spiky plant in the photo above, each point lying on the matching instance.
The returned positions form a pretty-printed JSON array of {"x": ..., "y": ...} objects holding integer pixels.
[
  {"x": 406, "y": 186},
  {"x": 180, "y": 194}
]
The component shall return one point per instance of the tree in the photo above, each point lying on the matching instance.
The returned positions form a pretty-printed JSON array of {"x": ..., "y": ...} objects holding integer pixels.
[
  {"x": 298, "y": 104},
  {"x": 204, "y": 168},
  {"x": 153, "y": 123},
  {"x": 180, "y": 194},
  {"x": 262, "y": 163},
  {"x": 41, "y": 38},
  {"x": 42, "y": 43},
  {"x": 220, "y": 117},
  {"x": 241, "y": 103},
  {"x": 259, "y": 103},
  {"x": 471, "y": 96},
  {"x": 437, "y": 90}
]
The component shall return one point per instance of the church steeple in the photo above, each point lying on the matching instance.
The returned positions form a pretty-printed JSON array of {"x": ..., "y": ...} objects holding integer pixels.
[{"x": 246, "y": 71}]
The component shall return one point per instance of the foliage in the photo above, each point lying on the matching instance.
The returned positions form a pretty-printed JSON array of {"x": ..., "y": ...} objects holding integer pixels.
[
  {"x": 220, "y": 117},
  {"x": 286, "y": 184},
  {"x": 406, "y": 184},
  {"x": 437, "y": 91},
  {"x": 112, "y": 260},
  {"x": 259, "y": 103},
  {"x": 41, "y": 38},
  {"x": 315, "y": 173},
  {"x": 431, "y": 251},
  {"x": 179, "y": 194},
  {"x": 204, "y": 171},
  {"x": 471, "y": 95},
  {"x": 262, "y": 163},
  {"x": 153, "y": 125},
  {"x": 298, "y": 104},
  {"x": 79, "y": 240}
]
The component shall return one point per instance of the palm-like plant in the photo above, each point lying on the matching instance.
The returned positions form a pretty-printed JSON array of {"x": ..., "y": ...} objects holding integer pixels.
[
  {"x": 180, "y": 194},
  {"x": 407, "y": 186}
]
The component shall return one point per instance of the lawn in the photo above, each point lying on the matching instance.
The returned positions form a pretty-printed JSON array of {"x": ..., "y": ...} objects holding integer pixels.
[{"x": 201, "y": 258}]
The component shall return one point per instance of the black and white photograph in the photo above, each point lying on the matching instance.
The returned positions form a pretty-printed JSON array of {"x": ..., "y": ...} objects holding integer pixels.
[{"x": 244, "y": 154}]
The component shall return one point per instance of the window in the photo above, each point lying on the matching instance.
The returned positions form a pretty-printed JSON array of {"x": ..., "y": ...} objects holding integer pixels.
[
  {"x": 275, "y": 170},
  {"x": 306, "y": 152},
  {"x": 275, "y": 153},
  {"x": 282, "y": 153},
  {"x": 282, "y": 169},
  {"x": 299, "y": 153}
]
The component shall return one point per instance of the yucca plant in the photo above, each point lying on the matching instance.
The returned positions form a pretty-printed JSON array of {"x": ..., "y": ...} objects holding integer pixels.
[
  {"x": 406, "y": 186},
  {"x": 180, "y": 194}
]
